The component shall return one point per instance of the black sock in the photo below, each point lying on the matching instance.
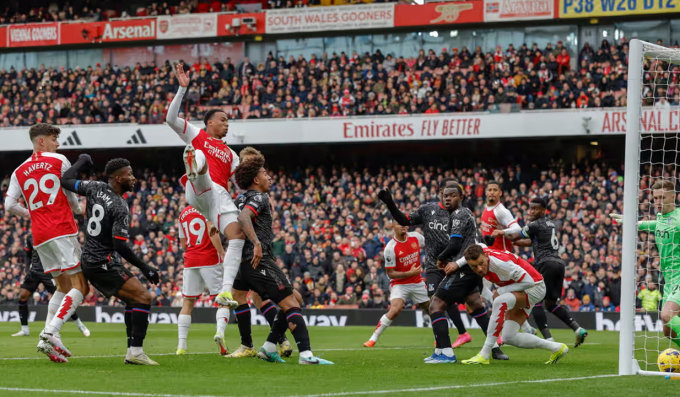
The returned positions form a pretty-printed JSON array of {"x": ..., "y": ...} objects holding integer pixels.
[
  {"x": 298, "y": 327},
  {"x": 481, "y": 316},
  {"x": 243, "y": 317},
  {"x": 541, "y": 320},
  {"x": 563, "y": 314},
  {"x": 74, "y": 317},
  {"x": 269, "y": 311},
  {"x": 23, "y": 312},
  {"x": 278, "y": 328},
  {"x": 440, "y": 328},
  {"x": 128, "y": 323},
  {"x": 454, "y": 315},
  {"x": 140, "y": 322}
]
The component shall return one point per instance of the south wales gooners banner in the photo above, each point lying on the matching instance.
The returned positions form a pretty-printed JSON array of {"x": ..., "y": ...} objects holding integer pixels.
[
  {"x": 319, "y": 19},
  {"x": 607, "y": 8}
]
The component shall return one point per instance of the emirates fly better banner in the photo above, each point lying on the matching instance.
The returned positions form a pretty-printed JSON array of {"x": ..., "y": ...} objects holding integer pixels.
[{"x": 319, "y": 19}]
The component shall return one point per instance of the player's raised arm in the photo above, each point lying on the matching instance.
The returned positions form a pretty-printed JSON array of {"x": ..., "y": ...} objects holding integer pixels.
[
  {"x": 642, "y": 225},
  {"x": 185, "y": 130},
  {"x": 386, "y": 197},
  {"x": 12, "y": 205},
  {"x": 70, "y": 182}
]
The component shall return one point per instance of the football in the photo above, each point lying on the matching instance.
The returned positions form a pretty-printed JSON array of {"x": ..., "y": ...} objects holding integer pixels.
[{"x": 669, "y": 361}]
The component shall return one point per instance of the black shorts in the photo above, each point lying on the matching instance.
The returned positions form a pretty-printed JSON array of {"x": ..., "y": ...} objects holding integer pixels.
[
  {"x": 107, "y": 277},
  {"x": 432, "y": 279},
  {"x": 553, "y": 277},
  {"x": 456, "y": 287},
  {"x": 33, "y": 279},
  {"x": 267, "y": 280}
]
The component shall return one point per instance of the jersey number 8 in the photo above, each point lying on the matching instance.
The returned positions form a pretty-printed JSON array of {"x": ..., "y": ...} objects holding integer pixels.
[
  {"x": 42, "y": 187},
  {"x": 94, "y": 224}
]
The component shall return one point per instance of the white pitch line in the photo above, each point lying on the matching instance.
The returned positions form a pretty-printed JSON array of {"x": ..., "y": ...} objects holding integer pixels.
[
  {"x": 131, "y": 394},
  {"x": 214, "y": 352}
]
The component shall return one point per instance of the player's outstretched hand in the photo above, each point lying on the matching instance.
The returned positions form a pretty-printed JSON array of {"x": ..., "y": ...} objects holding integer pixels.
[
  {"x": 384, "y": 195},
  {"x": 257, "y": 255},
  {"x": 182, "y": 77},
  {"x": 617, "y": 218},
  {"x": 451, "y": 268},
  {"x": 86, "y": 157},
  {"x": 151, "y": 274},
  {"x": 498, "y": 232}
]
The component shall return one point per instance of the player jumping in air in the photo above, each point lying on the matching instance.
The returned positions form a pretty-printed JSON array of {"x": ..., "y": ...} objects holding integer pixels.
[
  {"x": 519, "y": 288},
  {"x": 402, "y": 264},
  {"x": 459, "y": 286},
  {"x": 35, "y": 275},
  {"x": 54, "y": 231},
  {"x": 434, "y": 218},
  {"x": 203, "y": 255},
  {"x": 210, "y": 163},
  {"x": 541, "y": 232},
  {"x": 666, "y": 229},
  {"x": 258, "y": 270},
  {"x": 108, "y": 219}
]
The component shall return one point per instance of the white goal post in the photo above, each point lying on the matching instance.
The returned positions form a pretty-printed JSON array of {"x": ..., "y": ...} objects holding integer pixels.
[{"x": 651, "y": 153}]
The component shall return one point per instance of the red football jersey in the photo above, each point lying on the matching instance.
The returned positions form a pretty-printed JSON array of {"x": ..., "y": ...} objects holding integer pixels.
[
  {"x": 506, "y": 268},
  {"x": 222, "y": 161},
  {"x": 38, "y": 181},
  {"x": 497, "y": 217},
  {"x": 403, "y": 256},
  {"x": 200, "y": 251}
]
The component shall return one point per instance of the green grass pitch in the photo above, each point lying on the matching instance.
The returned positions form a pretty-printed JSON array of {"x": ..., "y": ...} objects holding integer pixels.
[{"x": 394, "y": 367}]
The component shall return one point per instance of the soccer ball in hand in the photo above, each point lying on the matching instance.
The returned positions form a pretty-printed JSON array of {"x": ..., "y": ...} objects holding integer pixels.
[{"x": 669, "y": 361}]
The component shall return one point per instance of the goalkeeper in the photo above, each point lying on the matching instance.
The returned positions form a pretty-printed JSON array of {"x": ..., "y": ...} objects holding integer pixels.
[{"x": 666, "y": 229}]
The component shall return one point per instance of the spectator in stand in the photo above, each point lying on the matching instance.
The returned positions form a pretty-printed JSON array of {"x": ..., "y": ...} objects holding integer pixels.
[
  {"x": 571, "y": 301},
  {"x": 587, "y": 305},
  {"x": 650, "y": 296},
  {"x": 607, "y": 305}
]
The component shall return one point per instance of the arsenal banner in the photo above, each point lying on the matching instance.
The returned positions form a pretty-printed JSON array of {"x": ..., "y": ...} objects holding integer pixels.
[
  {"x": 186, "y": 26},
  {"x": 518, "y": 10},
  {"x": 33, "y": 35},
  {"x": 110, "y": 31},
  {"x": 439, "y": 13},
  {"x": 319, "y": 19}
]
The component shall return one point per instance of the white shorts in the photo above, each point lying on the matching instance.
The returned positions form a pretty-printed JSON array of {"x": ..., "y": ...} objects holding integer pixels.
[
  {"x": 417, "y": 293},
  {"x": 197, "y": 279},
  {"x": 535, "y": 294},
  {"x": 215, "y": 203},
  {"x": 61, "y": 255}
]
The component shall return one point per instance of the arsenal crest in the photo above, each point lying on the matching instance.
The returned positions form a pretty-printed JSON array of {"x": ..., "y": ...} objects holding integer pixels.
[{"x": 163, "y": 25}]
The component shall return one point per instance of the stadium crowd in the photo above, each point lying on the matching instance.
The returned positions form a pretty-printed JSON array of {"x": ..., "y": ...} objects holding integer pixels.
[
  {"x": 337, "y": 85},
  {"x": 16, "y": 12},
  {"x": 331, "y": 229}
]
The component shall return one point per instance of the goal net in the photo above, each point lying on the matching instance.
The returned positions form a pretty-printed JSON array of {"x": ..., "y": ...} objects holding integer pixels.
[{"x": 650, "y": 263}]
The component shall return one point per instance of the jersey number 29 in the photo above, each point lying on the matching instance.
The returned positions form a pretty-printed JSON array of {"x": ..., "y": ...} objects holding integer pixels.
[{"x": 42, "y": 187}]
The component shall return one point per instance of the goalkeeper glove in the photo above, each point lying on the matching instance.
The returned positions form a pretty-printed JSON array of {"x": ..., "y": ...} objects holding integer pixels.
[
  {"x": 385, "y": 196},
  {"x": 617, "y": 218},
  {"x": 489, "y": 240}
]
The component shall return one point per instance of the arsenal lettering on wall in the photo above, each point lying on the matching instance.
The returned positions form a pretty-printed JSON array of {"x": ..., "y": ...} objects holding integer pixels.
[{"x": 111, "y": 31}]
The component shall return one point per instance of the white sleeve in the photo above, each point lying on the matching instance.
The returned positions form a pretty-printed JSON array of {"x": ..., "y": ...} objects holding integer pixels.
[
  {"x": 234, "y": 164},
  {"x": 70, "y": 196},
  {"x": 181, "y": 230},
  {"x": 390, "y": 257},
  {"x": 506, "y": 219},
  {"x": 185, "y": 130},
  {"x": 421, "y": 239},
  {"x": 12, "y": 206},
  {"x": 462, "y": 262},
  {"x": 14, "y": 190},
  {"x": 522, "y": 282},
  {"x": 486, "y": 290}
]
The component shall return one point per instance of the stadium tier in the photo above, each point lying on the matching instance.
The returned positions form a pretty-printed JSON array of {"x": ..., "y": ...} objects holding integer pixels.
[{"x": 336, "y": 85}]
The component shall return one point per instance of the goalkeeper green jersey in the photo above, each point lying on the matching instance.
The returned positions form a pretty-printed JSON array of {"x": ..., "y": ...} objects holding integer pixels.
[{"x": 666, "y": 230}]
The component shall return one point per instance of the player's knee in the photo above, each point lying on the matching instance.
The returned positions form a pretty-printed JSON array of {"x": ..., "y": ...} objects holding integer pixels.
[
  {"x": 474, "y": 304},
  {"x": 144, "y": 298},
  {"x": 549, "y": 304},
  {"x": 396, "y": 306},
  {"x": 437, "y": 305},
  {"x": 241, "y": 297},
  {"x": 298, "y": 297},
  {"x": 666, "y": 316}
]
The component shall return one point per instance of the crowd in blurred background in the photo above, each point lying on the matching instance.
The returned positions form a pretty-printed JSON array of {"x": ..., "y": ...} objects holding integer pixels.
[
  {"x": 331, "y": 229},
  {"x": 334, "y": 85}
]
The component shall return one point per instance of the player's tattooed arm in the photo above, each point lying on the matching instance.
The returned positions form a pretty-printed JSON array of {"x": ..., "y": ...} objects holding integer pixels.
[
  {"x": 386, "y": 197},
  {"x": 245, "y": 219},
  {"x": 69, "y": 180}
]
